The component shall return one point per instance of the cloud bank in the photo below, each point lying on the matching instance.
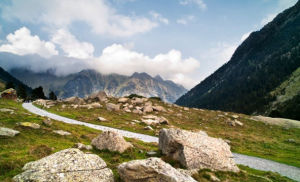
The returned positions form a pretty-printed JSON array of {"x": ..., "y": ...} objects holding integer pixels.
[{"x": 42, "y": 55}]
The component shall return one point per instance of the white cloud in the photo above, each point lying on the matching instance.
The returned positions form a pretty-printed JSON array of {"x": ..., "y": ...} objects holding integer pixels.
[
  {"x": 21, "y": 42},
  {"x": 118, "y": 59},
  {"x": 185, "y": 20},
  {"x": 159, "y": 17},
  {"x": 71, "y": 46},
  {"x": 267, "y": 19},
  {"x": 60, "y": 14},
  {"x": 199, "y": 3}
]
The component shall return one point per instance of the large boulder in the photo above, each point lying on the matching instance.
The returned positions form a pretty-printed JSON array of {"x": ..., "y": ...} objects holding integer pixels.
[
  {"x": 67, "y": 165},
  {"x": 74, "y": 100},
  {"x": 112, "y": 141},
  {"x": 123, "y": 100},
  {"x": 151, "y": 170},
  {"x": 98, "y": 96},
  {"x": 196, "y": 150},
  {"x": 7, "y": 132},
  {"x": 112, "y": 107},
  {"x": 9, "y": 94}
]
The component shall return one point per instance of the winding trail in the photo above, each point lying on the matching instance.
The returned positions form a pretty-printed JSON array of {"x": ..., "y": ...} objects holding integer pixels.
[{"x": 253, "y": 162}]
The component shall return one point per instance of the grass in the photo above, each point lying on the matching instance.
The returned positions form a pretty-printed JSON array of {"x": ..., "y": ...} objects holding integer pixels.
[
  {"x": 33, "y": 144},
  {"x": 254, "y": 138}
]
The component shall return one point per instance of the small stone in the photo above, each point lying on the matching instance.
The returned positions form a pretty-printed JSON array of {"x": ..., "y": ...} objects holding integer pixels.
[
  {"x": 47, "y": 122},
  {"x": 29, "y": 124},
  {"x": 102, "y": 119},
  {"x": 62, "y": 132},
  {"x": 235, "y": 116},
  {"x": 83, "y": 147},
  {"x": 151, "y": 153},
  {"x": 7, "y": 132},
  {"x": 123, "y": 100},
  {"x": 148, "y": 128}
]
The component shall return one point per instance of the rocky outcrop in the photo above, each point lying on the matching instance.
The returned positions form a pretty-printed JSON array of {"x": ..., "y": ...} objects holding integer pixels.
[
  {"x": 7, "y": 132},
  {"x": 112, "y": 141},
  {"x": 75, "y": 100},
  {"x": 151, "y": 170},
  {"x": 9, "y": 94},
  {"x": 66, "y": 165},
  {"x": 196, "y": 150}
]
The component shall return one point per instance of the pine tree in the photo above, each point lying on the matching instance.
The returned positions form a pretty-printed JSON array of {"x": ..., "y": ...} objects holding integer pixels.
[
  {"x": 52, "y": 96},
  {"x": 9, "y": 85},
  {"x": 38, "y": 93},
  {"x": 21, "y": 91}
]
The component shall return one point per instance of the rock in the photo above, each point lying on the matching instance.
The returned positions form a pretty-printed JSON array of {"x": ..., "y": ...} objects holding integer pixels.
[
  {"x": 112, "y": 107},
  {"x": 186, "y": 108},
  {"x": 81, "y": 146},
  {"x": 62, "y": 132},
  {"x": 238, "y": 122},
  {"x": 148, "y": 128},
  {"x": 130, "y": 106},
  {"x": 95, "y": 105},
  {"x": 235, "y": 116},
  {"x": 7, "y": 110},
  {"x": 149, "y": 103},
  {"x": 151, "y": 153},
  {"x": 147, "y": 109},
  {"x": 136, "y": 121},
  {"x": 196, "y": 150},
  {"x": 111, "y": 140},
  {"x": 126, "y": 109},
  {"x": 63, "y": 106},
  {"x": 9, "y": 94},
  {"x": 190, "y": 172},
  {"x": 7, "y": 132},
  {"x": 159, "y": 108},
  {"x": 136, "y": 111},
  {"x": 99, "y": 96},
  {"x": 154, "y": 120},
  {"x": 290, "y": 140},
  {"x": 29, "y": 124},
  {"x": 47, "y": 122},
  {"x": 67, "y": 165},
  {"x": 74, "y": 100},
  {"x": 102, "y": 119},
  {"x": 151, "y": 170},
  {"x": 123, "y": 100},
  {"x": 137, "y": 101}
]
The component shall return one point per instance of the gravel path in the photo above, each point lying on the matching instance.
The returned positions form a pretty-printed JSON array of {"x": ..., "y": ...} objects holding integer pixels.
[{"x": 253, "y": 162}]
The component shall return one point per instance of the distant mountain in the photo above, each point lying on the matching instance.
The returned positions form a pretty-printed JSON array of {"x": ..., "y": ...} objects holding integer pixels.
[
  {"x": 262, "y": 77},
  {"x": 5, "y": 77},
  {"x": 88, "y": 81}
]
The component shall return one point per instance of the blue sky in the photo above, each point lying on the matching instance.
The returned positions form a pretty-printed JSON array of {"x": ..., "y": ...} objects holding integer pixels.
[{"x": 182, "y": 40}]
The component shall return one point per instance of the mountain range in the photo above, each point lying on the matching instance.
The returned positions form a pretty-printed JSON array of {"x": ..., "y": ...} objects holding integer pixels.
[
  {"x": 262, "y": 76},
  {"x": 87, "y": 81}
]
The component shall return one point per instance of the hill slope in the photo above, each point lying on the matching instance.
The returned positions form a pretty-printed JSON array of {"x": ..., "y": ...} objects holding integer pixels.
[
  {"x": 88, "y": 81},
  {"x": 5, "y": 77},
  {"x": 248, "y": 82}
]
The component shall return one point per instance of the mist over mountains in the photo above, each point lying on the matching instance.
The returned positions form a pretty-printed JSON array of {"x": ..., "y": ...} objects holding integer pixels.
[{"x": 88, "y": 81}]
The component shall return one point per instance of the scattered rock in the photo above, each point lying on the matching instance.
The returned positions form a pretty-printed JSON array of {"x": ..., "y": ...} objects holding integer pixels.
[
  {"x": 235, "y": 116},
  {"x": 47, "y": 122},
  {"x": 148, "y": 128},
  {"x": 234, "y": 122},
  {"x": 151, "y": 170},
  {"x": 123, "y": 100},
  {"x": 138, "y": 100},
  {"x": 102, "y": 119},
  {"x": 154, "y": 120},
  {"x": 147, "y": 109},
  {"x": 95, "y": 105},
  {"x": 62, "y": 132},
  {"x": 81, "y": 146},
  {"x": 9, "y": 94},
  {"x": 151, "y": 153},
  {"x": 188, "y": 172},
  {"x": 111, "y": 140},
  {"x": 238, "y": 122},
  {"x": 7, "y": 110},
  {"x": 196, "y": 150},
  {"x": 67, "y": 165},
  {"x": 159, "y": 108},
  {"x": 7, "y": 132},
  {"x": 136, "y": 111},
  {"x": 126, "y": 109},
  {"x": 29, "y": 124},
  {"x": 136, "y": 121},
  {"x": 112, "y": 107},
  {"x": 290, "y": 140},
  {"x": 75, "y": 100},
  {"x": 99, "y": 96},
  {"x": 186, "y": 108}
]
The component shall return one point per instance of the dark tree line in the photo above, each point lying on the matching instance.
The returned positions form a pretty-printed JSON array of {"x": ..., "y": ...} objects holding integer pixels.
[{"x": 37, "y": 93}]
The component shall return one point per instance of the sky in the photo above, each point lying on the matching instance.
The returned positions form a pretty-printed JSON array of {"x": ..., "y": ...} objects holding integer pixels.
[{"x": 180, "y": 40}]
